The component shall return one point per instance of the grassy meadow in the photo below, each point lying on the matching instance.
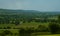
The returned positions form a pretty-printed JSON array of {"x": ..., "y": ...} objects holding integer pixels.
[{"x": 25, "y": 26}]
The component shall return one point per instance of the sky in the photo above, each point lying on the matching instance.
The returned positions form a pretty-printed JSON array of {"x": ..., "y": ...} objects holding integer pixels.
[{"x": 40, "y": 5}]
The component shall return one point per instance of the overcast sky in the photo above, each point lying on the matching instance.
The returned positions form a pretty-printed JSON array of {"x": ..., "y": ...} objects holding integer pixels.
[{"x": 41, "y": 5}]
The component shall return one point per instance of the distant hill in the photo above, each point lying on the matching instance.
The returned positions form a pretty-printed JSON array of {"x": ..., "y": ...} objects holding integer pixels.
[
  {"x": 9, "y": 10},
  {"x": 27, "y": 13}
]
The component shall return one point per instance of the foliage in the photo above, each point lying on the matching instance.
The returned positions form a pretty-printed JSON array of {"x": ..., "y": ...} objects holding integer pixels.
[{"x": 54, "y": 27}]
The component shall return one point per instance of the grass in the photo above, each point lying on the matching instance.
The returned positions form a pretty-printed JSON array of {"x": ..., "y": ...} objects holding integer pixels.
[
  {"x": 24, "y": 25},
  {"x": 12, "y": 30},
  {"x": 32, "y": 24},
  {"x": 50, "y": 35}
]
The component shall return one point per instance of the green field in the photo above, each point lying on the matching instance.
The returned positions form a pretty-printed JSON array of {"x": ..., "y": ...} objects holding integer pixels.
[
  {"x": 50, "y": 35},
  {"x": 25, "y": 26}
]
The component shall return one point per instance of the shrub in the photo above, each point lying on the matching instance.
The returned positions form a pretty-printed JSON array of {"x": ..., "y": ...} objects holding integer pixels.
[
  {"x": 8, "y": 27},
  {"x": 6, "y": 32},
  {"x": 54, "y": 27},
  {"x": 42, "y": 28},
  {"x": 24, "y": 32}
]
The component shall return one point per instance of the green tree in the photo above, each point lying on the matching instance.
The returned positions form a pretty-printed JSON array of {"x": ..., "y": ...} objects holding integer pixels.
[
  {"x": 42, "y": 28},
  {"x": 59, "y": 19},
  {"x": 54, "y": 28},
  {"x": 25, "y": 32}
]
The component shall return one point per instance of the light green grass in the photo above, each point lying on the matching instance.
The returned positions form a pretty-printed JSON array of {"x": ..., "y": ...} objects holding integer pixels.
[
  {"x": 32, "y": 24},
  {"x": 12, "y": 30},
  {"x": 50, "y": 35},
  {"x": 24, "y": 25}
]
